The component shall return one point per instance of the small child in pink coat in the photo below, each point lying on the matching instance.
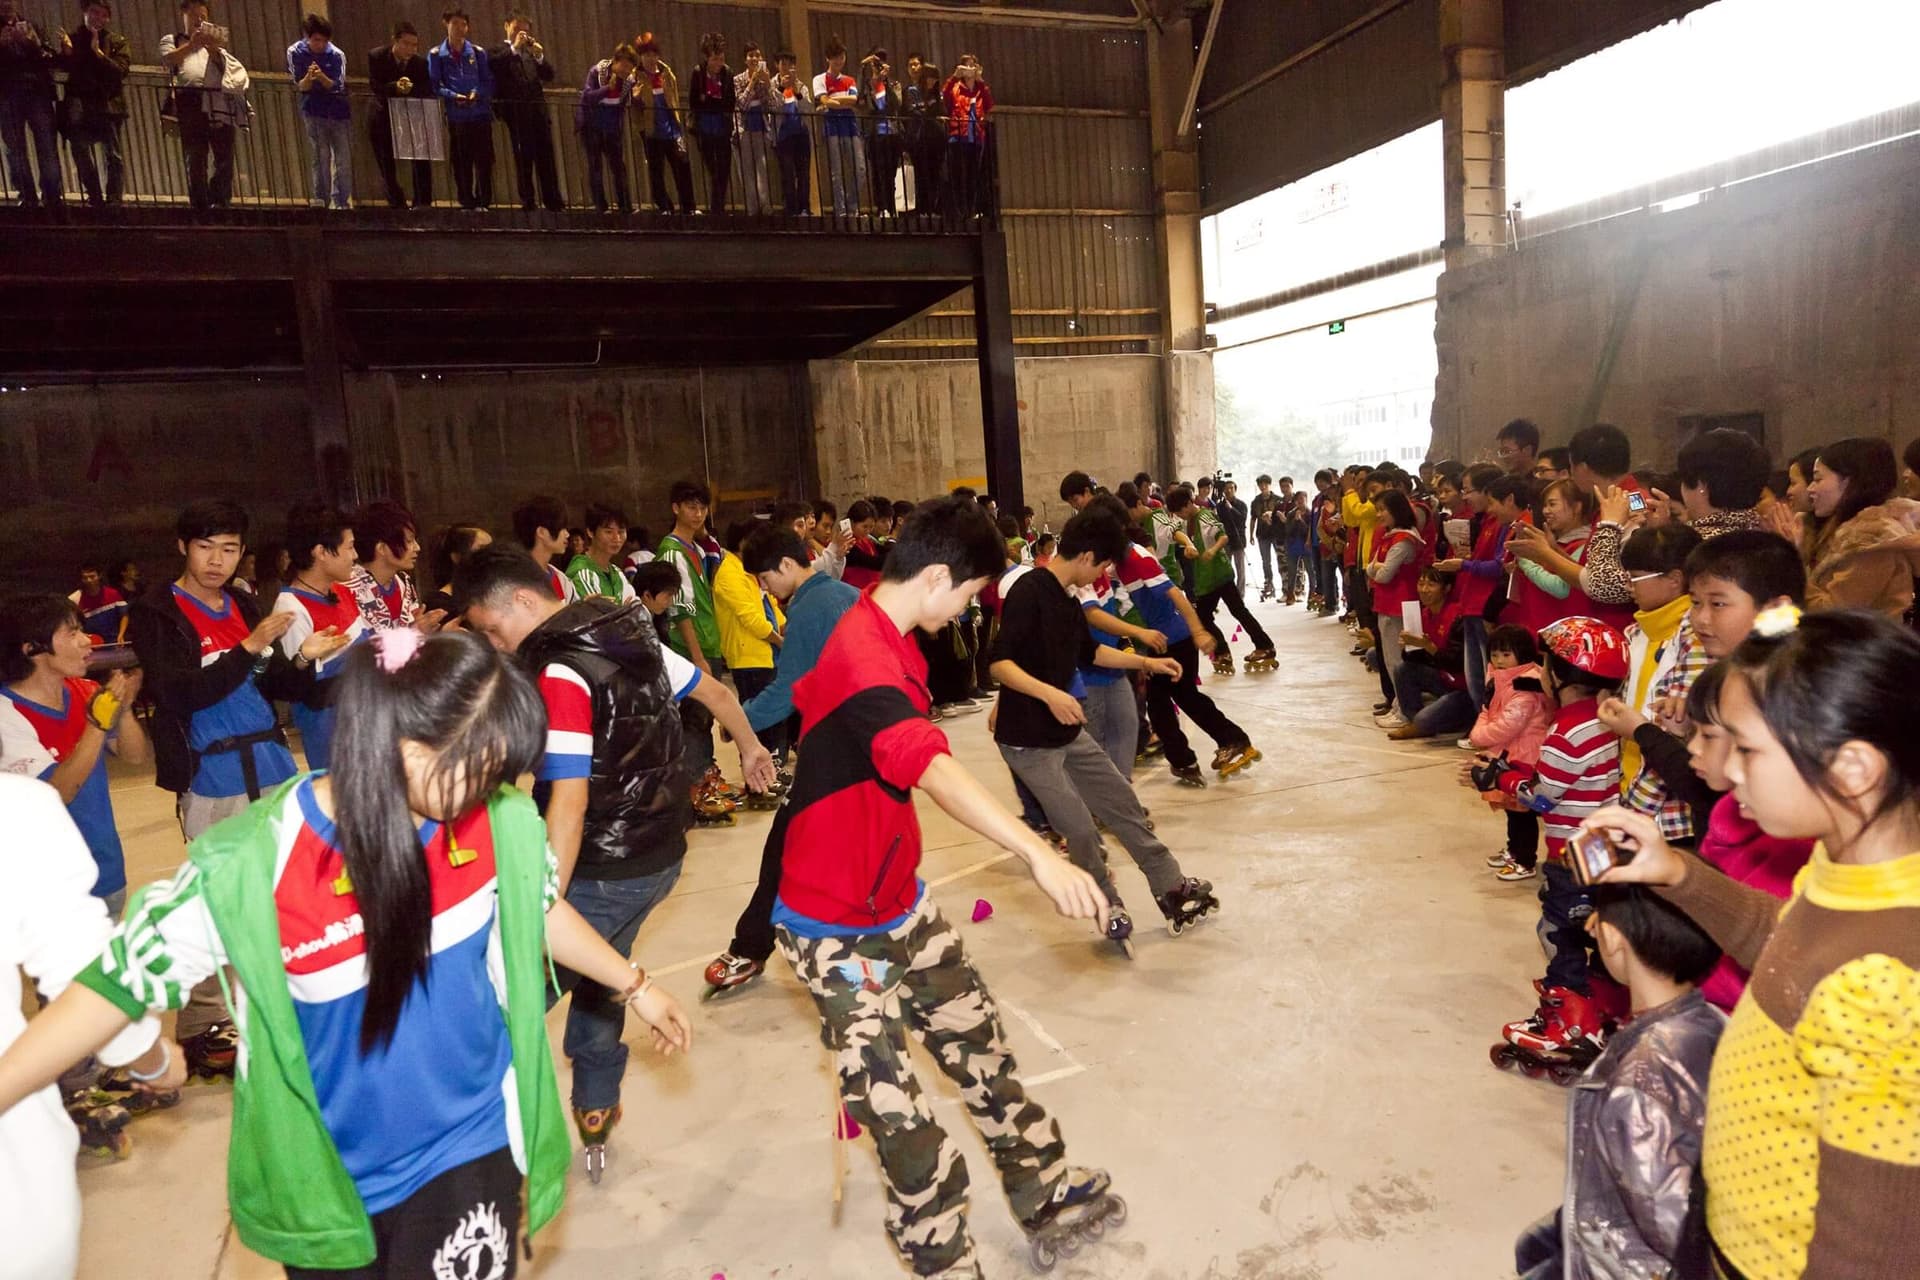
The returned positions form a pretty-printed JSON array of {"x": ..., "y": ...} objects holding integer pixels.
[{"x": 1514, "y": 723}]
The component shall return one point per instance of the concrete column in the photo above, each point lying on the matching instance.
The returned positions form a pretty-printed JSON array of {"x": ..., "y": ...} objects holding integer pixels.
[
  {"x": 999, "y": 393},
  {"x": 326, "y": 383},
  {"x": 1188, "y": 429},
  {"x": 1473, "y": 129}
]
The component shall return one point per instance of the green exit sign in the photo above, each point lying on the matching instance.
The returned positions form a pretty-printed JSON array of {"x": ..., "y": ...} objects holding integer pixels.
[{"x": 1338, "y": 326}]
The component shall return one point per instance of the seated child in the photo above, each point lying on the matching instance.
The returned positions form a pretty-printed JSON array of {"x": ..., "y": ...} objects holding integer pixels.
[
  {"x": 1514, "y": 724},
  {"x": 1635, "y": 1118}
]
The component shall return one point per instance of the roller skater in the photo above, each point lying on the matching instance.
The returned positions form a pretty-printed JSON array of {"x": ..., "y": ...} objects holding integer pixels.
[
  {"x": 880, "y": 960},
  {"x": 119, "y": 1087},
  {"x": 1565, "y": 1034},
  {"x": 1079, "y": 1213},
  {"x": 1208, "y": 550},
  {"x": 1187, "y": 904},
  {"x": 593, "y": 1126},
  {"x": 1044, "y": 640},
  {"x": 1261, "y": 660}
]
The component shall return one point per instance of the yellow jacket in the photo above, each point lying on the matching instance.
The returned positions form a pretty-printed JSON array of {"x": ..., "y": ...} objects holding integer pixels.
[
  {"x": 1363, "y": 517},
  {"x": 742, "y": 608}
]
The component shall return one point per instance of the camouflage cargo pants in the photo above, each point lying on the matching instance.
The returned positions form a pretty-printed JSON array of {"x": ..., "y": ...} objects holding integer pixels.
[{"x": 872, "y": 990}]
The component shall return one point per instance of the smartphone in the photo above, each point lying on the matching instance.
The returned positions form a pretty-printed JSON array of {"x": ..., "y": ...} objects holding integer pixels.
[
  {"x": 1596, "y": 853},
  {"x": 1636, "y": 501},
  {"x": 846, "y": 525}
]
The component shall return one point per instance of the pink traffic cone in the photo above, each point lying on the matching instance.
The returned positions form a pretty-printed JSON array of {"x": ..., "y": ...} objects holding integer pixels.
[
  {"x": 849, "y": 1127},
  {"x": 982, "y": 910}
]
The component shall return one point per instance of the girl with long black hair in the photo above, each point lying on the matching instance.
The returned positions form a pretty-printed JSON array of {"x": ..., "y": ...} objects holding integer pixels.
[{"x": 389, "y": 926}]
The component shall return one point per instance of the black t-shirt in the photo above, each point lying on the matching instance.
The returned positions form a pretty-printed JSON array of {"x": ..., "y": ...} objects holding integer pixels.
[{"x": 1044, "y": 630}]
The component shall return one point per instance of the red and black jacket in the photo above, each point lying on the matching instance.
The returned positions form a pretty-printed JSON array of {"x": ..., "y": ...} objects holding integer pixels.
[{"x": 852, "y": 852}]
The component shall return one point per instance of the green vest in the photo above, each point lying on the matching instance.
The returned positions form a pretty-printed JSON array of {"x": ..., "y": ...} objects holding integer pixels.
[
  {"x": 291, "y": 1197},
  {"x": 1162, "y": 524},
  {"x": 696, "y": 604},
  {"x": 1205, "y": 530}
]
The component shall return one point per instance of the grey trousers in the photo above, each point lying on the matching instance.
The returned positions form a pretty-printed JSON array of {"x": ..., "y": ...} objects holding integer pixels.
[
  {"x": 1113, "y": 722},
  {"x": 205, "y": 1005},
  {"x": 1076, "y": 784}
]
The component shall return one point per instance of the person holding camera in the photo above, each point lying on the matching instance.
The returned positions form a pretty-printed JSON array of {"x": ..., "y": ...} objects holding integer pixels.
[
  {"x": 926, "y": 134},
  {"x": 793, "y": 139},
  {"x": 94, "y": 112},
  {"x": 27, "y": 107},
  {"x": 318, "y": 68},
  {"x": 600, "y": 119},
  {"x": 397, "y": 70},
  {"x": 756, "y": 102},
  {"x": 521, "y": 74},
  {"x": 657, "y": 91},
  {"x": 969, "y": 103},
  {"x": 882, "y": 99},
  {"x": 209, "y": 96}
]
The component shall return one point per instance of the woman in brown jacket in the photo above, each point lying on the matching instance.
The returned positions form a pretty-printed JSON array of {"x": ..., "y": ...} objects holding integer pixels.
[{"x": 1861, "y": 544}]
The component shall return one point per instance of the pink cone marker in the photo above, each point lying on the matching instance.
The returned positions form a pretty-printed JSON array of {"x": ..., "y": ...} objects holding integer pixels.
[
  {"x": 849, "y": 1127},
  {"x": 982, "y": 910}
]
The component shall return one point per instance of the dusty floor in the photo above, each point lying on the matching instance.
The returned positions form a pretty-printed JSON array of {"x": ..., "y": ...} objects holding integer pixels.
[{"x": 1299, "y": 1090}]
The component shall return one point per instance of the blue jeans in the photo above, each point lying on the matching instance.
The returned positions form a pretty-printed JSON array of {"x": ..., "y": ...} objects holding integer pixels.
[
  {"x": 1450, "y": 712},
  {"x": 331, "y": 142},
  {"x": 1536, "y": 1254},
  {"x": 1564, "y": 909},
  {"x": 616, "y": 909},
  {"x": 1475, "y": 631},
  {"x": 23, "y": 115}
]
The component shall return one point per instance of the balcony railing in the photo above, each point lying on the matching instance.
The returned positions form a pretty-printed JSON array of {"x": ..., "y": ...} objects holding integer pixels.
[{"x": 932, "y": 188}]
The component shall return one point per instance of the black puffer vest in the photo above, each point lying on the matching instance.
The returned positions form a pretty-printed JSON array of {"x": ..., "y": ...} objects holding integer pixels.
[{"x": 637, "y": 809}]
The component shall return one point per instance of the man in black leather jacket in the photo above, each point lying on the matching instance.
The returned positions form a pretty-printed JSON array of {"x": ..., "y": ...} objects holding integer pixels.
[{"x": 611, "y": 785}]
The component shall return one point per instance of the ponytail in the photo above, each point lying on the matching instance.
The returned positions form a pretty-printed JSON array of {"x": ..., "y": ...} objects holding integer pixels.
[{"x": 455, "y": 696}]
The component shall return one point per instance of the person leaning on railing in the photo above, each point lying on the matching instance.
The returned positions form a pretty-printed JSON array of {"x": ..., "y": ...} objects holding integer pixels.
[
  {"x": 793, "y": 139},
  {"x": 318, "y": 68},
  {"x": 927, "y": 136},
  {"x": 712, "y": 99},
  {"x": 881, "y": 98},
  {"x": 969, "y": 103},
  {"x": 209, "y": 101},
  {"x": 397, "y": 70},
  {"x": 656, "y": 92},
  {"x": 463, "y": 80},
  {"x": 94, "y": 112},
  {"x": 600, "y": 119},
  {"x": 521, "y": 74},
  {"x": 26, "y": 108},
  {"x": 756, "y": 102}
]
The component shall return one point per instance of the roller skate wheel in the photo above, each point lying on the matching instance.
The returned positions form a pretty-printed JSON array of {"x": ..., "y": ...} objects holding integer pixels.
[
  {"x": 1564, "y": 1076},
  {"x": 1043, "y": 1253},
  {"x": 1116, "y": 1211},
  {"x": 1503, "y": 1057},
  {"x": 1126, "y": 948},
  {"x": 1071, "y": 1242},
  {"x": 1531, "y": 1071},
  {"x": 596, "y": 1161}
]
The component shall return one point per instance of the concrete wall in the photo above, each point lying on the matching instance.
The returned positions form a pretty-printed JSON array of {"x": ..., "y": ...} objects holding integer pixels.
[
  {"x": 1792, "y": 295},
  {"x": 911, "y": 428}
]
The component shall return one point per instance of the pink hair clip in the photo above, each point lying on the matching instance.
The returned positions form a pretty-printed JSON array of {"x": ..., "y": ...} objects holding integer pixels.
[{"x": 395, "y": 649}]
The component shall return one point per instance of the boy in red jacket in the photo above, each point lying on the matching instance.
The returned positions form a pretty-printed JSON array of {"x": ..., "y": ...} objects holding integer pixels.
[{"x": 855, "y": 921}]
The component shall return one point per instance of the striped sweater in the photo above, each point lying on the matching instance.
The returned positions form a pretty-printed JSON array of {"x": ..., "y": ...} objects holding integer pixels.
[{"x": 1579, "y": 773}]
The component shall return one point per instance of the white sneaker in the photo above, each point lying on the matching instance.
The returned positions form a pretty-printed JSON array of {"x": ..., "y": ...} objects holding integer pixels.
[
  {"x": 1498, "y": 859},
  {"x": 1466, "y": 744},
  {"x": 1391, "y": 720},
  {"x": 1513, "y": 871}
]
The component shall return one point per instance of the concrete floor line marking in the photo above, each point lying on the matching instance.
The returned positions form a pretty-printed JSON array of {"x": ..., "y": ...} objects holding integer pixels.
[
  {"x": 1063, "y": 1073},
  {"x": 968, "y": 870},
  {"x": 1040, "y": 1033}
]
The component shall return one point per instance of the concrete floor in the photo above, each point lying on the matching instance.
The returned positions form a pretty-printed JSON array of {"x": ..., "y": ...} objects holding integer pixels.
[{"x": 1299, "y": 1090}]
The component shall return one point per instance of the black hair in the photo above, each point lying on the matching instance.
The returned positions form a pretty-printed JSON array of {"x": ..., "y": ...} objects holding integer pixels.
[
  {"x": 1659, "y": 550},
  {"x": 785, "y": 513},
  {"x": 1911, "y": 455},
  {"x": 1730, "y": 464},
  {"x": 315, "y": 25},
  {"x": 655, "y": 576},
  {"x": 451, "y": 546},
  {"x": 1566, "y": 675},
  {"x": 310, "y": 525},
  {"x": 711, "y": 43},
  {"x": 448, "y": 15},
  {"x": 1664, "y": 937},
  {"x": 1840, "y": 677},
  {"x": 882, "y": 507},
  {"x": 953, "y": 533},
  {"x": 1075, "y": 483},
  {"x": 768, "y": 545},
  {"x": 736, "y": 533},
  {"x": 1866, "y": 464},
  {"x": 1761, "y": 563},
  {"x": 835, "y": 47},
  {"x": 901, "y": 510},
  {"x": 1324, "y": 473},
  {"x": 404, "y": 28},
  {"x": 1510, "y": 488},
  {"x": 600, "y": 514},
  {"x": 210, "y": 519},
  {"x": 1094, "y": 530},
  {"x": 536, "y": 513},
  {"x": 1142, "y": 480},
  {"x": 27, "y": 627},
  {"x": 1603, "y": 447},
  {"x": 1560, "y": 458},
  {"x": 689, "y": 491},
  {"x": 1512, "y": 638},
  {"x": 1480, "y": 475},
  {"x": 1128, "y": 495},
  {"x": 1113, "y": 506},
  {"x": 1179, "y": 498},
  {"x": 824, "y": 510},
  {"x": 495, "y": 570},
  {"x": 1400, "y": 507},
  {"x": 859, "y": 509},
  {"x": 1046, "y": 542},
  {"x": 1523, "y": 433},
  {"x": 381, "y": 521},
  {"x": 480, "y": 713},
  {"x": 1703, "y": 695},
  {"x": 1008, "y": 526},
  {"x": 966, "y": 491},
  {"x": 1804, "y": 460},
  {"x": 1778, "y": 482},
  {"x": 786, "y": 55}
]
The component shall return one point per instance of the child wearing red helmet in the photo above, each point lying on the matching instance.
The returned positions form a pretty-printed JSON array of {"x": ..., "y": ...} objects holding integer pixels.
[{"x": 1578, "y": 773}]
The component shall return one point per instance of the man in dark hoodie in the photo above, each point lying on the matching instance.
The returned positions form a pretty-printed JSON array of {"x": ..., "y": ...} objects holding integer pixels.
[{"x": 611, "y": 784}]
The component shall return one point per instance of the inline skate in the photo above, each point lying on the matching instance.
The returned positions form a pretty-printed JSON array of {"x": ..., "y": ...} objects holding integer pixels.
[
  {"x": 211, "y": 1053},
  {"x": 1262, "y": 660},
  {"x": 102, "y": 1123},
  {"x": 1228, "y": 761},
  {"x": 1120, "y": 929},
  {"x": 729, "y": 973},
  {"x": 1562, "y": 1038},
  {"x": 711, "y": 807},
  {"x": 594, "y": 1125},
  {"x": 1078, "y": 1213},
  {"x": 774, "y": 796},
  {"x": 1188, "y": 775},
  {"x": 118, "y": 1087},
  {"x": 1187, "y": 904},
  {"x": 1222, "y": 662}
]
